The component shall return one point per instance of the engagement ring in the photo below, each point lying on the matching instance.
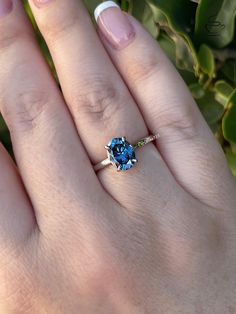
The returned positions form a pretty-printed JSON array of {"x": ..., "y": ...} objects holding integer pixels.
[{"x": 121, "y": 153}]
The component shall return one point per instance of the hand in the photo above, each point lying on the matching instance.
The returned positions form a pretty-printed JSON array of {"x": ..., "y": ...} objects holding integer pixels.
[{"x": 159, "y": 238}]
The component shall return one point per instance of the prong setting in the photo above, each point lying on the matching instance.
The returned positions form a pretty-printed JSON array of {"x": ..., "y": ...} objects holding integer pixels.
[
  {"x": 118, "y": 168},
  {"x": 121, "y": 153}
]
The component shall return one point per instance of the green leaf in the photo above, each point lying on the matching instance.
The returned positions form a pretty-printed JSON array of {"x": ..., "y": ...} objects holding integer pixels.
[
  {"x": 233, "y": 147},
  {"x": 231, "y": 158},
  {"x": 185, "y": 57},
  {"x": 179, "y": 13},
  {"x": 229, "y": 120},
  {"x": 229, "y": 70},
  {"x": 223, "y": 92},
  {"x": 5, "y": 136},
  {"x": 124, "y": 5},
  {"x": 210, "y": 108},
  {"x": 168, "y": 45},
  {"x": 145, "y": 14},
  {"x": 215, "y": 22},
  {"x": 197, "y": 90},
  {"x": 171, "y": 44},
  {"x": 188, "y": 77},
  {"x": 206, "y": 60},
  {"x": 158, "y": 15},
  {"x": 217, "y": 130},
  {"x": 3, "y": 126},
  {"x": 180, "y": 16}
]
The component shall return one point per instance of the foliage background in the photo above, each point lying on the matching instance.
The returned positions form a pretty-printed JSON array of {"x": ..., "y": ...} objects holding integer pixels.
[{"x": 199, "y": 36}]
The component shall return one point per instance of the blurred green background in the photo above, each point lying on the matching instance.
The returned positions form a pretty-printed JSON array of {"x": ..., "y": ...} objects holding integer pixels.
[{"x": 199, "y": 36}]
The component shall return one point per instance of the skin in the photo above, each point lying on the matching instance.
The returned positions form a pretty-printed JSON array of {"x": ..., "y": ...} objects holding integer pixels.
[{"x": 159, "y": 238}]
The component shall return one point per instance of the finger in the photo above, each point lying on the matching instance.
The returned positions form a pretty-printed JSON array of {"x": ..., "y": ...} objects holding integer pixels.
[
  {"x": 52, "y": 161},
  {"x": 186, "y": 142},
  {"x": 98, "y": 99},
  {"x": 17, "y": 219}
]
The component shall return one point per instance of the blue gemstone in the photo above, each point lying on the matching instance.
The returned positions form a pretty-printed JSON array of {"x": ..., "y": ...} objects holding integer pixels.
[{"x": 121, "y": 153}]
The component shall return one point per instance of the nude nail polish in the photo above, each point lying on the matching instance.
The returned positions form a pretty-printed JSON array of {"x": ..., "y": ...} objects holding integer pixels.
[
  {"x": 114, "y": 24},
  {"x": 5, "y": 7}
]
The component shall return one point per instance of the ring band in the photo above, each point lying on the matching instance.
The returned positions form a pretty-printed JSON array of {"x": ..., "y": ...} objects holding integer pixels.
[{"x": 122, "y": 154}]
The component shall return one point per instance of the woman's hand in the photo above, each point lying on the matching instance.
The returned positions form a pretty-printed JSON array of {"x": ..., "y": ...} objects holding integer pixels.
[{"x": 159, "y": 238}]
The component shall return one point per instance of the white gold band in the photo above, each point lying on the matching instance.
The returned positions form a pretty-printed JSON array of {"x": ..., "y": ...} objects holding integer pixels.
[{"x": 102, "y": 164}]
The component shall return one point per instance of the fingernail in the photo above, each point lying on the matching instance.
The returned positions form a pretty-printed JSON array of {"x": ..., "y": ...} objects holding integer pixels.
[
  {"x": 5, "y": 7},
  {"x": 114, "y": 24},
  {"x": 40, "y": 3}
]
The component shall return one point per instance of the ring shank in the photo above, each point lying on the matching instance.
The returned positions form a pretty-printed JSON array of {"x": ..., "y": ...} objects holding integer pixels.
[{"x": 102, "y": 164}]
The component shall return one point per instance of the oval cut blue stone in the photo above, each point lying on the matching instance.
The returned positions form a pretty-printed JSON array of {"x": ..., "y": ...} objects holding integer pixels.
[{"x": 121, "y": 153}]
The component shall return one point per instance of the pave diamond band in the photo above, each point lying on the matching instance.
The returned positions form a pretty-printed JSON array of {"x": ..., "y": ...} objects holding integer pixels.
[{"x": 121, "y": 153}]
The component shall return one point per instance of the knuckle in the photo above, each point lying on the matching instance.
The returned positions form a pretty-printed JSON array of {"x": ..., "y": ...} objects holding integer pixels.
[
  {"x": 141, "y": 69},
  {"x": 8, "y": 37},
  {"x": 11, "y": 35},
  {"x": 25, "y": 110},
  {"x": 54, "y": 26},
  {"x": 101, "y": 103},
  {"x": 59, "y": 26},
  {"x": 59, "y": 29},
  {"x": 181, "y": 123}
]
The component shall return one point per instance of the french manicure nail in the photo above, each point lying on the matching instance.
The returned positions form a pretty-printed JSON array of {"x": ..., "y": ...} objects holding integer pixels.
[
  {"x": 5, "y": 7},
  {"x": 114, "y": 24}
]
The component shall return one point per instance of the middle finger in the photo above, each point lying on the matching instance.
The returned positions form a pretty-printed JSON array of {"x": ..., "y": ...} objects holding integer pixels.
[{"x": 98, "y": 99}]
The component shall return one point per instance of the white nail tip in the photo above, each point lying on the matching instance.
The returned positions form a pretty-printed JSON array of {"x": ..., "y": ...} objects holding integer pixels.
[{"x": 103, "y": 6}]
